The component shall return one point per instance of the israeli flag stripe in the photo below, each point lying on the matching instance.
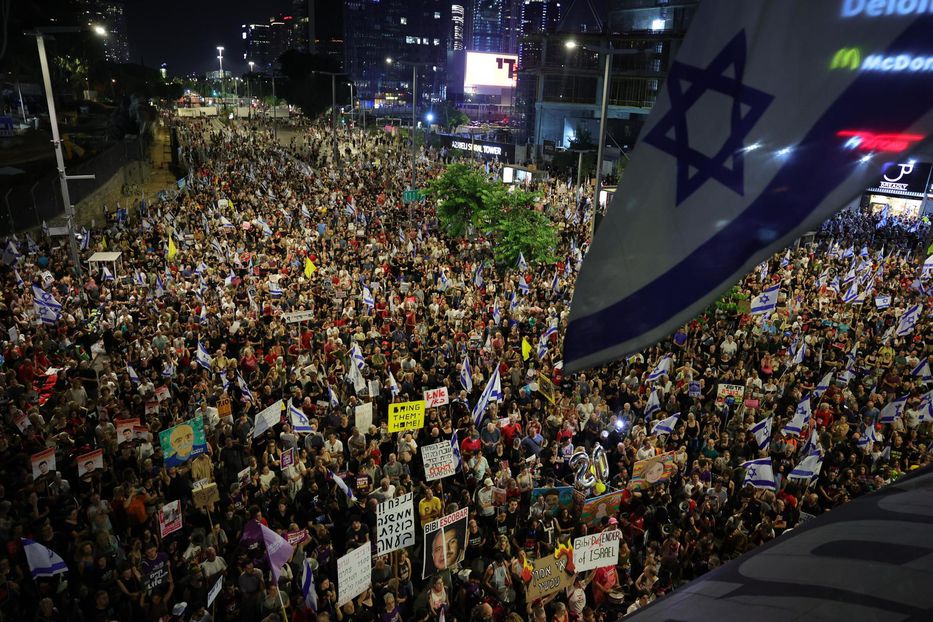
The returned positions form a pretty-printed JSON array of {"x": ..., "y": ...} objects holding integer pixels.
[
  {"x": 666, "y": 426},
  {"x": 654, "y": 262}
]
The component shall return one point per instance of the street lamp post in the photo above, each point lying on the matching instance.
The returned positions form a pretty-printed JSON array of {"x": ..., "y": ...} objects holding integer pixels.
[
  {"x": 414, "y": 109},
  {"x": 63, "y": 177},
  {"x": 333, "y": 106},
  {"x": 608, "y": 52},
  {"x": 220, "y": 58},
  {"x": 249, "y": 81}
]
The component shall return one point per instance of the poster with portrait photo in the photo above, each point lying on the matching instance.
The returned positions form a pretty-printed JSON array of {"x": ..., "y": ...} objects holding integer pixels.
[
  {"x": 445, "y": 542},
  {"x": 170, "y": 518},
  {"x": 90, "y": 462},
  {"x": 125, "y": 432},
  {"x": 182, "y": 442},
  {"x": 43, "y": 463}
]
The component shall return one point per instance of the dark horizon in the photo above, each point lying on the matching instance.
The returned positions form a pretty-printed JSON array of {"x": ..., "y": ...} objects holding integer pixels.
[{"x": 186, "y": 38}]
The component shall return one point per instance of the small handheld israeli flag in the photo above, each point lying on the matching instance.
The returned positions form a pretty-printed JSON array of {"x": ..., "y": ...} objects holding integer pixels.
[
  {"x": 492, "y": 393},
  {"x": 762, "y": 432},
  {"x": 868, "y": 437},
  {"x": 342, "y": 485},
  {"x": 907, "y": 321},
  {"x": 523, "y": 286},
  {"x": 466, "y": 374},
  {"x": 667, "y": 425},
  {"x": 653, "y": 405},
  {"x": 478, "y": 276},
  {"x": 204, "y": 359},
  {"x": 298, "y": 419},
  {"x": 393, "y": 385},
  {"x": 922, "y": 371},
  {"x": 357, "y": 355},
  {"x": 823, "y": 385},
  {"x": 808, "y": 468},
  {"x": 663, "y": 368},
  {"x": 43, "y": 561},
  {"x": 801, "y": 417},
  {"x": 496, "y": 315},
  {"x": 759, "y": 473},
  {"x": 766, "y": 301},
  {"x": 168, "y": 370},
  {"x": 247, "y": 395},
  {"x": 543, "y": 341},
  {"x": 522, "y": 264},
  {"x": 332, "y": 397},
  {"x": 893, "y": 410},
  {"x": 368, "y": 298},
  {"x": 132, "y": 374}
]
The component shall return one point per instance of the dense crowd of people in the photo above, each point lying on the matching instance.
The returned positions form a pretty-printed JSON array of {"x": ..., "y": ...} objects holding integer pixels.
[{"x": 192, "y": 321}]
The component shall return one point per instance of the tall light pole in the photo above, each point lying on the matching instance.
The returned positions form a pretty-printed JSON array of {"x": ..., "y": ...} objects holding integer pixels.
[
  {"x": 249, "y": 80},
  {"x": 414, "y": 108},
  {"x": 333, "y": 106},
  {"x": 608, "y": 52},
  {"x": 220, "y": 58},
  {"x": 63, "y": 177}
]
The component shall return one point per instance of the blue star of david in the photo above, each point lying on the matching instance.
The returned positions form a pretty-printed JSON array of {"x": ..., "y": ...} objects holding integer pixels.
[
  {"x": 752, "y": 472},
  {"x": 765, "y": 298},
  {"x": 748, "y": 105}
]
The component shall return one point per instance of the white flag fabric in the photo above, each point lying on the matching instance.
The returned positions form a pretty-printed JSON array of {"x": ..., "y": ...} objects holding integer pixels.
[
  {"x": 801, "y": 417},
  {"x": 299, "y": 421},
  {"x": 893, "y": 410},
  {"x": 907, "y": 321},
  {"x": 466, "y": 374},
  {"x": 492, "y": 393},
  {"x": 666, "y": 426},
  {"x": 703, "y": 201},
  {"x": 824, "y": 385},
  {"x": 662, "y": 368},
  {"x": 759, "y": 473},
  {"x": 762, "y": 432},
  {"x": 43, "y": 562},
  {"x": 653, "y": 404},
  {"x": 766, "y": 302},
  {"x": 808, "y": 468}
]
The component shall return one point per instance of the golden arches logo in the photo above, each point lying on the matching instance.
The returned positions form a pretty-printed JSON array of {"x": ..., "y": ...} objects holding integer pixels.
[{"x": 847, "y": 58}]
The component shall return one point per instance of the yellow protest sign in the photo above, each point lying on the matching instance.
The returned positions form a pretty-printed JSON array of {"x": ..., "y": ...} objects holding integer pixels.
[{"x": 406, "y": 416}]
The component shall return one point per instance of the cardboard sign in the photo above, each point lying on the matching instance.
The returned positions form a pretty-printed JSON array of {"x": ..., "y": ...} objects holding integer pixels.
[
  {"x": 294, "y": 317},
  {"x": 363, "y": 417},
  {"x": 395, "y": 524},
  {"x": 170, "y": 518},
  {"x": 406, "y": 416},
  {"x": 215, "y": 590},
  {"x": 548, "y": 575},
  {"x": 288, "y": 458},
  {"x": 555, "y": 499},
  {"x": 596, "y": 508},
  {"x": 224, "y": 408},
  {"x": 43, "y": 463},
  {"x": 596, "y": 550},
  {"x": 693, "y": 389},
  {"x": 22, "y": 421},
  {"x": 152, "y": 408},
  {"x": 725, "y": 391},
  {"x": 439, "y": 460},
  {"x": 354, "y": 573},
  {"x": 373, "y": 388},
  {"x": 90, "y": 462},
  {"x": 445, "y": 542},
  {"x": 125, "y": 429},
  {"x": 752, "y": 403},
  {"x": 268, "y": 418},
  {"x": 436, "y": 397},
  {"x": 205, "y": 496},
  {"x": 650, "y": 471},
  {"x": 162, "y": 394}
]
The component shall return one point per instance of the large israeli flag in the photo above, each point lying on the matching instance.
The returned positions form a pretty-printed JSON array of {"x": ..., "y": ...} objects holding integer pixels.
[
  {"x": 492, "y": 393},
  {"x": 766, "y": 302},
  {"x": 759, "y": 473},
  {"x": 757, "y": 137}
]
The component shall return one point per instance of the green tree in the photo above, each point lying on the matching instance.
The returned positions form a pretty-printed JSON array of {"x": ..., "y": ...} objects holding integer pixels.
[
  {"x": 517, "y": 227},
  {"x": 459, "y": 194},
  {"x": 465, "y": 197}
]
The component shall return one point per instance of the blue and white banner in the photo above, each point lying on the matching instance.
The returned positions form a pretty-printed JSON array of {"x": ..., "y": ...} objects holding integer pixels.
[{"x": 762, "y": 131}]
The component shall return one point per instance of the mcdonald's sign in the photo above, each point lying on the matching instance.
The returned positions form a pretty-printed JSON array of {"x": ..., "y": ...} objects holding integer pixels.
[{"x": 847, "y": 58}]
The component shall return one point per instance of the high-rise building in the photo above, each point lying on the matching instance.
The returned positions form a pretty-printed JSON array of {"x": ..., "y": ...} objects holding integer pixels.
[
  {"x": 559, "y": 89},
  {"x": 322, "y": 23},
  {"x": 257, "y": 40},
  {"x": 537, "y": 17},
  {"x": 411, "y": 32},
  {"x": 457, "y": 27},
  {"x": 111, "y": 15},
  {"x": 486, "y": 26}
]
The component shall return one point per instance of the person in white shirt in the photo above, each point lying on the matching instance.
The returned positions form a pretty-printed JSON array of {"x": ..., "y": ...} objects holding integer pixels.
[{"x": 333, "y": 445}]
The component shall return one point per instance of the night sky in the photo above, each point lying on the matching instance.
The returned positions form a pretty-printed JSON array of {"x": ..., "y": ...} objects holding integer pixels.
[{"x": 185, "y": 33}]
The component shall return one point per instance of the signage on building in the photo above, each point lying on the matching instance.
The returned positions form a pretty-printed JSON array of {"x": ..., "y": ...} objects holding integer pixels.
[
  {"x": 903, "y": 179},
  {"x": 504, "y": 152},
  {"x": 490, "y": 69}
]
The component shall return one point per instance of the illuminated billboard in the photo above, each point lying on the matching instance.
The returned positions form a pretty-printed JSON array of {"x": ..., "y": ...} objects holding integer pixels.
[{"x": 490, "y": 69}]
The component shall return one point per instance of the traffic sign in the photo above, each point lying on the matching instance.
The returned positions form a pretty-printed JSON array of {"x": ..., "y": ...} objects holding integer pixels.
[{"x": 408, "y": 196}]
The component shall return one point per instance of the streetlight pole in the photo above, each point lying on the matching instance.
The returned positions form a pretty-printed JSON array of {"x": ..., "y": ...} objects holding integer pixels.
[
  {"x": 608, "y": 52},
  {"x": 249, "y": 82},
  {"x": 414, "y": 110},
  {"x": 333, "y": 106},
  {"x": 220, "y": 57},
  {"x": 63, "y": 177}
]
